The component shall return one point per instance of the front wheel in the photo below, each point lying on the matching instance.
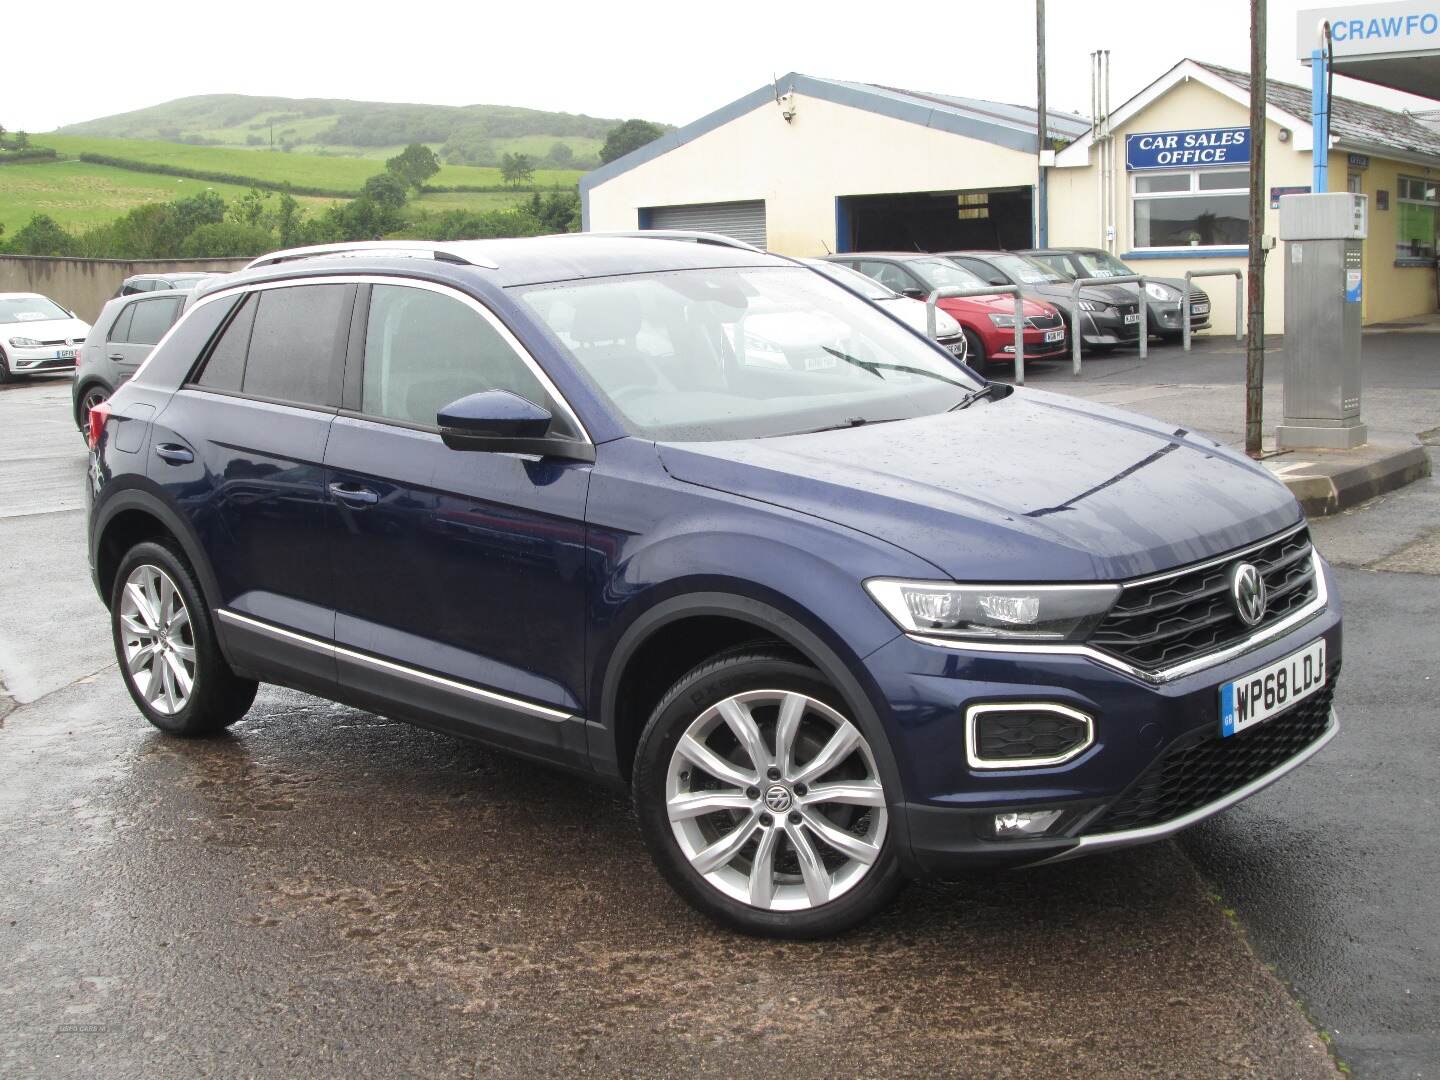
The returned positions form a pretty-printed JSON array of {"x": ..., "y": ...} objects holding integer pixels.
[
  {"x": 5, "y": 373},
  {"x": 975, "y": 351},
  {"x": 761, "y": 801}
]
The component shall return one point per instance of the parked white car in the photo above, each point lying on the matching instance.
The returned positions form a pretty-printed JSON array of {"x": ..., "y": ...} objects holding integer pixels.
[
  {"x": 948, "y": 332},
  {"x": 37, "y": 334}
]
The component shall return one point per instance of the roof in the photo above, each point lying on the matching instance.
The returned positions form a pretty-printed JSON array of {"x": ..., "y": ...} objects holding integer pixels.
[
  {"x": 1354, "y": 124},
  {"x": 522, "y": 261},
  {"x": 1011, "y": 126},
  {"x": 1350, "y": 121}
]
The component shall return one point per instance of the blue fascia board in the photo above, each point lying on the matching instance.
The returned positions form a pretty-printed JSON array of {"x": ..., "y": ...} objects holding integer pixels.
[{"x": 1189, "y": 253}]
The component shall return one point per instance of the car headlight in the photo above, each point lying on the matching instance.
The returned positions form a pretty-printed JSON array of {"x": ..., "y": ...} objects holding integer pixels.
[
  {"x": 1156, "y": 291},
  {"x": 994, "y": 612},
  {"x": 24, "y": 342},
  {"x": 1006, "y": 322}
]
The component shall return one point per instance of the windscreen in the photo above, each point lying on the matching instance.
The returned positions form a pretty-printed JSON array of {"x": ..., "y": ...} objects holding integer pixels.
[
  {"x": 940, "y": 273},
  {"x": 1102, "y": 264},
  {"x": 1027, "y": 271},
  {"x": 743, "y": 353},
  {"x": 20, "y": 309},
  {"x": 866, "y": 286}
]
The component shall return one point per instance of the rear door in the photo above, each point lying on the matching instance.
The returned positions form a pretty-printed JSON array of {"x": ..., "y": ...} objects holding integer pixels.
[
  {"x": 240, "y": 448},
  {"x": 138, "y": 330},
  {"x": 459, "y": 574}
]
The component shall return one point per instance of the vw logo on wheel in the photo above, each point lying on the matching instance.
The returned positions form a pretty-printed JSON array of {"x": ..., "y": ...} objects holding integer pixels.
[
  {"x": 777, "y": 799},
  {"x": 1247, "y": 592}
]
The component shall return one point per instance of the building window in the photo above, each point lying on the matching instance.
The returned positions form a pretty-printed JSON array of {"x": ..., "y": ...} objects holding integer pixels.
[
  {"x": 1197, "y": 208},
  {"x": 1417, "y": 205}
]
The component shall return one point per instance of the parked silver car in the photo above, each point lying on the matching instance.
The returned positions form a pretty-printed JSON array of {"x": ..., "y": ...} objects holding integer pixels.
[{"x": 123, "y": 336}]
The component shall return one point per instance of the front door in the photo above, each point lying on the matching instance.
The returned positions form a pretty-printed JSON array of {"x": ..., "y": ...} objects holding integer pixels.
[{"x": 458, "y": 574}]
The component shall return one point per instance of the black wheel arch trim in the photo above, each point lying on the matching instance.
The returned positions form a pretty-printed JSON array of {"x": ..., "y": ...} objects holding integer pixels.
[
  {"x": 80, "y": 391},
  {"x": 785, "y": 628}
]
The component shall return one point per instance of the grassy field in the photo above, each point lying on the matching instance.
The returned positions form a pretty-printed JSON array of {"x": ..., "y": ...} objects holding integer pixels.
[
  {"x": 303, "y": 170},
  {"x": 80, "y": 195}
]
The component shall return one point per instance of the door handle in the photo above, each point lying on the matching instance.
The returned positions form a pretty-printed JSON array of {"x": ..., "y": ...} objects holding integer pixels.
[
  {"x": 354, "y": 495},
  {"x": 118, "y": 357},
  {"x": 175, "y": 455}
]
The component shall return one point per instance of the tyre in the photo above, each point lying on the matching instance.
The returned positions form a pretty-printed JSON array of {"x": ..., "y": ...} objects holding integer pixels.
[
  {"x": 760, "y": 800},
  {"x": 6, "y": 375},
  {"x": 165, "y": 644},
  {"x": 94, "y": 394},
  {"x": 975, "y": 351}
]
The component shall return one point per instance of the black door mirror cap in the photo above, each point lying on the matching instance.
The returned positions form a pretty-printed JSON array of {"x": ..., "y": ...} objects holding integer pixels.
[{"x": 500, "y": 422}]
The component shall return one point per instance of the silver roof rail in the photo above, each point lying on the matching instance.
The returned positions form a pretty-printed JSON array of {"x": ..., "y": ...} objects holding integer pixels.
[
  {"x": 690, "y": 235},
  {"x": 405, "y": 249}
]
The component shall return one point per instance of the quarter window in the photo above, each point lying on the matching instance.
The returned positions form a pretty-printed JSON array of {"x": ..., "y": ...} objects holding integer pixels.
[
  {"x": 150, "y": 320},
  {"x": 1192, "y": 208},
  {"x": 225, "y": 368},
  {"x": 424, "y": 350},
  {"x": 1417, "y": 206}
]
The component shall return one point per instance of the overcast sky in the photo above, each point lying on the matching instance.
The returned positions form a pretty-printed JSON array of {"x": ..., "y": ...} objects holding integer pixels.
[{"x": 670, "y": 62}]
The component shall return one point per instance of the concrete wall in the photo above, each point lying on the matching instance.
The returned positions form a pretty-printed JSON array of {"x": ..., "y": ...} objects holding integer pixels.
[
  {"x": 83, "y": 285},
  {"x": 799, "y": 169},
  {"x": 1390, "y": 292}
]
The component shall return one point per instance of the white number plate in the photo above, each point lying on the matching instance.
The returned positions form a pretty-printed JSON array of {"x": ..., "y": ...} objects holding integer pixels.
[
  {"x": 1261, "y": 694},
  {"x": 957, "y": 348},
  {"x": 66, "y": 354},
  {"x": 1132, "y": 318},
  {"x": 1200, "y": 309},
  {"x": 1054, "y": 335}
]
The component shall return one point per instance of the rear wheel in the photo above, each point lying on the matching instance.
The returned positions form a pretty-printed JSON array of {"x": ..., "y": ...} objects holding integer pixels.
[
  {"x": 93, "y": 395},
  {"x": 166, "y": 646},
  {"x": 761, "y": 802}
]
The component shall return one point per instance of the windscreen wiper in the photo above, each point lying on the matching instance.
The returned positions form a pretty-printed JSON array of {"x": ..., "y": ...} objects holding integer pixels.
[
  {"x": 972, "y": 397},
  {"x": 874, "y": 367}
]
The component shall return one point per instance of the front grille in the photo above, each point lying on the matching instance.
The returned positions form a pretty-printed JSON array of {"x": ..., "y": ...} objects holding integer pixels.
[
  {"x": 1191, "y": 613},
  {"x": 1051, "y": 321},
  {"x": 1199, "y": 768},
  {"x": 60, "y": 341},
  {"x": 1199, "y": 297}
]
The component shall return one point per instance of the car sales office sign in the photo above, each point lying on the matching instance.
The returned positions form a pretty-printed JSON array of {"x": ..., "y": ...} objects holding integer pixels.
[{"x": 1195, "y": 149}]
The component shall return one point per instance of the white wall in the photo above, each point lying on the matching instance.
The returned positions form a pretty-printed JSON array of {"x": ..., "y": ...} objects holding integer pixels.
[{"x": 799, "y": 169}]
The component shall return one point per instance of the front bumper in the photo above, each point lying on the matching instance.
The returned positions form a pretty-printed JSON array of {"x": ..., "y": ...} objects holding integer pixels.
[
  {"x": 43, "y": 358},
  {"x": 1139, "y": 726},
  {"x": 1165, "y": 318},
  {"x": 1108, "y": 329}
]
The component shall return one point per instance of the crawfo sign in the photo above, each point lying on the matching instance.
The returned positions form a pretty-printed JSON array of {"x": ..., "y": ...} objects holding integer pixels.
[{"x": 1195, "y": 149}]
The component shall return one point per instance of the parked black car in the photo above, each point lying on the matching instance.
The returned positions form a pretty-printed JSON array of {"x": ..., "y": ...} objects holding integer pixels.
[
  {"x": 1109, "y": 314},
  {"x": 1163, "y": 294}
]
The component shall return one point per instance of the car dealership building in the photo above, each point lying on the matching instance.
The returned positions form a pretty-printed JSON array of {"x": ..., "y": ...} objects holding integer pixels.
[{"x": 811, "y": 165}]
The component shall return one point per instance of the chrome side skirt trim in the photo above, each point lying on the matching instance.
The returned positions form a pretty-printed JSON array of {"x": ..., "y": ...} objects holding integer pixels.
[
  {"x": 1164, "y": 675},
  {"x": 1106, "y": 841},
  {"x": 493, "y": 697}
]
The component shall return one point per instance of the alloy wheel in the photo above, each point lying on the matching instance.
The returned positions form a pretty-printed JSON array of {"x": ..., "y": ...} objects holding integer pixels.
[
  {"x": 158, "y": 639},
  {"x": 775, "y": 800}
]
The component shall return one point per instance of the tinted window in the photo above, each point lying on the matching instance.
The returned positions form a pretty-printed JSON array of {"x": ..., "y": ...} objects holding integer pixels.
[
  {"x": 226, "y": 366},
  {"x": 424, "y": 350},
  {"x": 296, "y": 345},
  {"x": 150, "y": 320},
  {"x": 888, "y": 274},
  {"x": 121, "y": 330}
]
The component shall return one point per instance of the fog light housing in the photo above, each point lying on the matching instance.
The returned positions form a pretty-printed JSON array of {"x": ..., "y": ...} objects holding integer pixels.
[
  {"x": 1025, "y": 735},
  {"x": 1025, "y": 823}
]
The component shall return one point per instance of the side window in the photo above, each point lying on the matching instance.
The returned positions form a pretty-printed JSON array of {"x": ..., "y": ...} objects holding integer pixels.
[
  {"x": 297, "y": 344},
  {"x": 987, "y": 273},
  {"x": 887, "y": 274},
  {"x": 1055, "y": 262},
  {"x": 120, "y": 332},
  {"x": 151, "y": 319},
  {"x": 424, "y": 350},
  {"x": 225, "y": 368}
]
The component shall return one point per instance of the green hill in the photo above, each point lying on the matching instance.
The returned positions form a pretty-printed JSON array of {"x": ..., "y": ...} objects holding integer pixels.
[{"x": 461, "y": 135}]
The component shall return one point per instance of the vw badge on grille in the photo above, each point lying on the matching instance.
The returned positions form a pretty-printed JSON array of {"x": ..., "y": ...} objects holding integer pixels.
[{"x": 1247, "y": 591}]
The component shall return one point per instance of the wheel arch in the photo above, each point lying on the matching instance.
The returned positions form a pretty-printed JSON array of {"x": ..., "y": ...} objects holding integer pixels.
[{"x": 131, "y": 516}]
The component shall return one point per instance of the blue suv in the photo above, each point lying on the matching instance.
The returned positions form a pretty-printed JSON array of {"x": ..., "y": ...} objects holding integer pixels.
[{"x": 688, "y": 517}]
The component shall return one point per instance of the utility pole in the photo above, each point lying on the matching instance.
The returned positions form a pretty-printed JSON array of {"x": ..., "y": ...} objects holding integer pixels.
[
  {"x": 1042, "y": 133},
  {"x": 1255, "y": 316}
]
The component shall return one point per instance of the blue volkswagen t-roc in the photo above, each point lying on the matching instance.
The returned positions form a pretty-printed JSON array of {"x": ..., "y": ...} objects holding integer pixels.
[{"x": 694, "y": 518}]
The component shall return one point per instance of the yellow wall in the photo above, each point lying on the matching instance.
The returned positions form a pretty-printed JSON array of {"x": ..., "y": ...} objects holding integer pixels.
[
  {"x": 799, "y": 168},
  {"x": 1391, "y": 292}
]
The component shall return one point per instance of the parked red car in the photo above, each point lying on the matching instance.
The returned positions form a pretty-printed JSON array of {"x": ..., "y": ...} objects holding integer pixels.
[{"x": 989, "y": 321}]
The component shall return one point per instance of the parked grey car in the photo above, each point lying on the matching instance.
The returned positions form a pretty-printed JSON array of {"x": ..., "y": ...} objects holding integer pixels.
[
  {"x": 140, "y": 283},
  {"x": 123, "y": 336},
  {"x": 1161, "y": 293}
]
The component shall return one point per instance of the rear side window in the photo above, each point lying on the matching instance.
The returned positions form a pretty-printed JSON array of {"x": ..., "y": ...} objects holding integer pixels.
[
  {"x": 121, "y": 330},
  {"x": 284, "y": 344},
  {"x": 424, "y": 350},
  {"x": 150, "y": 319}
]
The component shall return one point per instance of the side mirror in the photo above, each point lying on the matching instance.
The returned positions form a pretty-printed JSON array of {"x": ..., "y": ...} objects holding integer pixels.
[
  {"x": 500, "y": 422},
  {"x": 915, "y": 293}
]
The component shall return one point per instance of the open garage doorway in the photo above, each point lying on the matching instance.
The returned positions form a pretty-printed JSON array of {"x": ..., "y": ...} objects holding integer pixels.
[{"x": 935, "y": 220}]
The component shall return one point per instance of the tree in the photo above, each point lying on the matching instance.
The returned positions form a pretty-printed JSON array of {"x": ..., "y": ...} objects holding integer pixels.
[
  {"x": 414, "y": 165},
  {"x": 631, "y": 135},
  {"x": 225, "y": 238},
  {"x": 388, "y": 189},
  {"x": 41, "y": 235},
  {"x": 561, "y": 155},
  {"x": 22, "y": 141},
  {"x": 517, "y": 168}
]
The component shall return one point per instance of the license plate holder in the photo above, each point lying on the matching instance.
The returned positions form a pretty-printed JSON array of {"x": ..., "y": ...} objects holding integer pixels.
[
  {"x": 1260, "y": 695},
  {"x": 1200, "y": 309},
  {"x": 1052, "y": 336},
  {"x": 65, "y": 354},
  {"x": 1132, "y": 317}
]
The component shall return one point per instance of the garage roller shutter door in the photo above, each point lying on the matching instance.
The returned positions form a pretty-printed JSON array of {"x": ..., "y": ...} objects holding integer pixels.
[{"x": 739, "y": 220}]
